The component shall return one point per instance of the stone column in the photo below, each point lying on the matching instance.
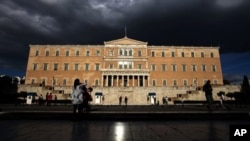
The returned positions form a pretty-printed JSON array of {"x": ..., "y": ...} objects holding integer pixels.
[
  {"x": 133, "y": 80},
  {"x": 143, "y": 81},
  {"x": 138, "y": 80},
  {"x": 117, "y": 80},
  {"x": 102, "y": 81},
  {"x": 112, "y": 81},
  {"x": 107, "y": 78},
  {"x": 127, "y": 80},
  {"x": 148, "y": 81},
  {"x": 122, "y": 80}
]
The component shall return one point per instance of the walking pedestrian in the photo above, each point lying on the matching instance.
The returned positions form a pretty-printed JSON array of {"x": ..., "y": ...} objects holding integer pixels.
[
  {"x": 207, "y": 88},
  {"x": 77, "y": 96}
]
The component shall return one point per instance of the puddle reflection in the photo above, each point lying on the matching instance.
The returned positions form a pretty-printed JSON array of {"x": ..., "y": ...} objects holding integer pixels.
[{"x": 119, "y": 131}]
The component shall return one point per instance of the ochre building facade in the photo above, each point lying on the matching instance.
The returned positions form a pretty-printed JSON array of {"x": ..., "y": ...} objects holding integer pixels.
[
  {"x": 124, "y": 68},
  {"x": 123, "y": 62}
]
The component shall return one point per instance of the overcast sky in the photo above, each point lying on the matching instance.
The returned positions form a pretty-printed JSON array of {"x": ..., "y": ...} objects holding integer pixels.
[{"x": 224, "y": 23}]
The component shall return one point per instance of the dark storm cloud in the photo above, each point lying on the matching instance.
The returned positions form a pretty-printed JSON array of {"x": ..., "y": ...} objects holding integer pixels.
[{"x": 222, "y": 23}]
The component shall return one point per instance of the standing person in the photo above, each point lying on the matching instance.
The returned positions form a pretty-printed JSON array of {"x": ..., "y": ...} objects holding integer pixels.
[
  {"x": 126, "y": 101},
  {"x": 222, "y": 100},
  {"x": 50, "y": 99},
  {"x": 120, "y": 100},
  {"x": 55, "y": 99},
  {"x": 40, "y": 100},
  {"x": 207, "y": 88},
  {"x": 77, "y": 96},
  {"x": 86, "y": 98},
  {"x": 46, "y": 98}
]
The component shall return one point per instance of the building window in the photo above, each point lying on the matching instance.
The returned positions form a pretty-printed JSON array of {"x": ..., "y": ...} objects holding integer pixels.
[
  {"x": 86, "y": 81},
  {"x": 204, "y": 81},
  {"x": 86, "y": 67},
  {"x": 153, "y": 82},
  {"x": 67, "y": 53},
  {"x": 139, "y": 66},
  {"x": 153, "y": 67},
  {"x": 87, "y": 53},
  {"x": 76, "y": 67},
  {"x": 184, "y": 67},
  {"x": 174, "y": 67},
  {"x": 172, "y": 54},
  {"x": 43, "y": 82},
  {"x": 130, "y": 65},
  {"x": 111, "y": 53},
  {"x": 45, "y": 66},
  {"x": 111, "y": 66},
  {"x": 195, "y": 82},
  {"x": 120, "y": 52},
  {"x": 33, "y": 81},
  {"x": 55, "y": 66},
  {"x": 37, "y": 53},
  {"x": 77, "y": 53},
  {"x": 120, "y": 66},
  {"x": 174, "y": 82},
  {"x": 97, "y": 67},
  {"x": 64, "y": 82},
  {"x": 213, "y": 68},
  {"x": 57, "y": 53},
  {"x": 203, "y": 67},
  {"x": 212, "y": 55},
  {"x": 215, "y": 81},
  {"x": 125, "y": 65},
  {"x": 97, "y": 53},
  {"x": 194, "y": 68},
  {"x": 192, "y": 54},
  {"x": 130, "y": 52},
  {"x": 164, "y": 68},
  {"x": 182, "y": 54},
  {"x": 66, "y": 66},
  {"x": 125, "y": 52},
  {"x": 139, "y": 53},
  {"x": 96, "y": 82},
  {"x": 164, "y": 83},
  {"x": 202, "y": 55},
  {"x": 162, "y": 54},
  {"x": 47, "y": 53},
  {"x": 153, "y": 54},
  {"x": 185, "y": 82},
  {"x": 35, "y": 66}
]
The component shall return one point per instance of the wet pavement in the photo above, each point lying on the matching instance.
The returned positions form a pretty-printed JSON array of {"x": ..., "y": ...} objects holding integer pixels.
[
  {"x": 119, "y": 123},
  {"x": 64, "y": 130}
]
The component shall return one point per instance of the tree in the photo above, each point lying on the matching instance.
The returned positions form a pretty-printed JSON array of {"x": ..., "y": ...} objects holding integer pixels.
[{"x": 245, "y": 88}]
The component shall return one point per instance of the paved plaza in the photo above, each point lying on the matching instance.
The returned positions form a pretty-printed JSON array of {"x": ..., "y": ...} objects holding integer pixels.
[{"x": 119, "y": 123}]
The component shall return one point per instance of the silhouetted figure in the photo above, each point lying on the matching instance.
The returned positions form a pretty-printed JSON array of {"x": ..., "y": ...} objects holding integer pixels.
[
  {"x": 46, "y": 98},
  {"x": 40, "y": 100},
  {"x": 207, "y": 88},
  {"x": 126, "y": 101},
  {"x": 120, "y": 100}
]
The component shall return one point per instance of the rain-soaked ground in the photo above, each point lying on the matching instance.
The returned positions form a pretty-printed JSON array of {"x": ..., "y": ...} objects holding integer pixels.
[{"x": 66, "y": 130}]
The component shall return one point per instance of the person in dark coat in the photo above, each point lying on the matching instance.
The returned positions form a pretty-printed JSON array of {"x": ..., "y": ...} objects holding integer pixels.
[{"x": 207, "y": 88}]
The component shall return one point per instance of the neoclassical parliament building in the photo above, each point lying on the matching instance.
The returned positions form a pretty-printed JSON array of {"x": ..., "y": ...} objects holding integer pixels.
[{"x": 124, "y": 65}]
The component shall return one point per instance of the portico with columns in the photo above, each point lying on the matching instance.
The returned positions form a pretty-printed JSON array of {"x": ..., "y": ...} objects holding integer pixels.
[{"x": 125, "y": 79}]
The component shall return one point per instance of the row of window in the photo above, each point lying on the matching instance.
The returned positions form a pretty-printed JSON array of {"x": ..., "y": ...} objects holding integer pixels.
[
  {"x": 128, "y": 65},
  {"x": 127, "y": 52},
  {"x": 174, "y": 82}
]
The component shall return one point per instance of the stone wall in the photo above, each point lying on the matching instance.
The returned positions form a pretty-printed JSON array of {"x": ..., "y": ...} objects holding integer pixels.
[{"x": 136, "y": 95}]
